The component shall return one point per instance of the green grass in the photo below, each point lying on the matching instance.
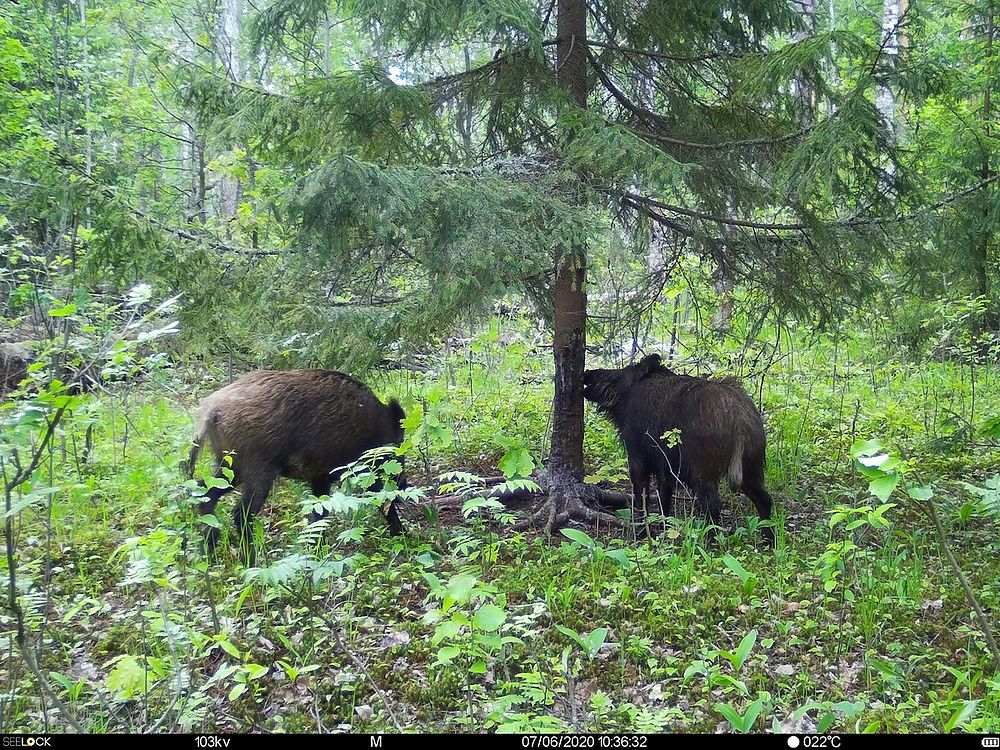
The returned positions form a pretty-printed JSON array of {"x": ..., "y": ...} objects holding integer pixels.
[{"x": 128, "y": 602}]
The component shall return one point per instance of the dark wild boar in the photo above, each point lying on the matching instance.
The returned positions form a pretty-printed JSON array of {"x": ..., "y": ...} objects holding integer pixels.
[
  {"x": 301, "y": 424},
  {"x": 721, "y": 432}
]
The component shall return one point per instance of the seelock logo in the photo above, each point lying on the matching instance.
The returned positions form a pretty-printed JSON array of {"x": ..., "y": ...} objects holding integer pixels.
[{"x": 23, "y": 741}]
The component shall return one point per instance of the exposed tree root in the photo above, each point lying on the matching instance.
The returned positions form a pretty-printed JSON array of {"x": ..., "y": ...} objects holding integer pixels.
[
  {"x": 570, "y": 501},
  {"x": 559, "y": 503}
]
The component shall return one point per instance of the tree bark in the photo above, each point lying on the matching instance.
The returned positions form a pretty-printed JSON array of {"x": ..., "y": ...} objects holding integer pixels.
[
  {"x": 885, "y": 99},
  {"x": 568, "y": 497},
  {"x": 570, "y": 337},
  {"x": 722, "y": 321},
  {"x": 986, "y": 169},
  {"x": 88, "y": 163},
  {"x": 229, "y": 27},
  {"x": 200, "y": 183},
  {"x": 802, "y": 88}
]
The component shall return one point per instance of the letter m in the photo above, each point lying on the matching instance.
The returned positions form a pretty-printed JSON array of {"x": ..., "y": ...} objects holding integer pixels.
[{"x": 376, "y": 741}]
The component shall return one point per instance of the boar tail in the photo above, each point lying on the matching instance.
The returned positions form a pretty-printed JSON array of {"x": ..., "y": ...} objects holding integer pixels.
[
  {"x": 193, "y": 456},
  {"x": 736, "y": 464},
  {"x": 196, "y": 442}
]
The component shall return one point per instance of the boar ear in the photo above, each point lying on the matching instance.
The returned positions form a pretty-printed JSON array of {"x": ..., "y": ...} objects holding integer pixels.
[
  {"x": 650, "y": 364},
  {"x": 396, "y": 411}
]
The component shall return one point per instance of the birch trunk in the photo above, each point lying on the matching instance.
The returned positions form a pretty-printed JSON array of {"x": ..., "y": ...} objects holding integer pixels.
[{"x": 230, "y": 21}]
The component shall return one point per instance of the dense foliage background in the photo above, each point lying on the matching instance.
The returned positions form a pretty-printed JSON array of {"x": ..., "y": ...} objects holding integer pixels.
[{"x": 456, "y": 202}]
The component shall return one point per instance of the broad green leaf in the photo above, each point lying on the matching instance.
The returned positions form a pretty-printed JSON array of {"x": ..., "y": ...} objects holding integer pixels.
[
  {"x": 865, "y": 448},
  {"x": 446, "y": 631},
  {"x": 392, "y": 468},
  {"x": 697, "y": 667},
  {"x": 490, "y": 641},
  {"x": 962, "y": 715},
  {"x": 580, "y": 537},
  {"x": 63, "y": 680},
  {"x": 216, "y": 483},
  {"x": 595, "y": 640},
  {"x": 744, "y": 649},
  {"x": 730, "y": 714},
  {"x": 256, "y": 671},
  {"x": 460, "y": 588},
  {"x": 448, "y": 653},
  {"x": 517, "y": 462},
  {"x": 886, "y": 670},
  {"x": 577, "y": 638},
  {"x": 825, "y": 721},
  {"x": 753, "y": 711},
  {"x": 62, "y": 312},
  {"x": 849, "y": 708},
  {"x": 489, "y": 618},
  {"x": 883, "y": 486},
  {"x": 21, "y": 504},
  {"x": 736, "y": 567},
  {"x": 128, "y": 677},
  {"x": 621, "y": 557},
  {"x": 428, "y": 558}
]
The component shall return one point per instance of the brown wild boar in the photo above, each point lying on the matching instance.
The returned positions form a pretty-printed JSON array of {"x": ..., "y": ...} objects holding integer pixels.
[
  {"x": 302, "y": 424},
  {"x": 721, "y": 432}
]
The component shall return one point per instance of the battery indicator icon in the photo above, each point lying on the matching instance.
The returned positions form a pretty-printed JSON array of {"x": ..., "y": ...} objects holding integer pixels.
[{"x": 991, "y": 742}]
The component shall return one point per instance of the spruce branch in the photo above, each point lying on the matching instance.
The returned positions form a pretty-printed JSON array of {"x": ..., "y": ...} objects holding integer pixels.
[
  {"x": 634, "y": 200},
  {"x": 706, "y": 57},
  {"x": 655, "y": 121}
]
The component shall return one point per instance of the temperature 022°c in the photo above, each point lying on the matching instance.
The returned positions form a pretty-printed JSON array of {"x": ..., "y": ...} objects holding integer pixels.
[{"x": 817, "y": 741}]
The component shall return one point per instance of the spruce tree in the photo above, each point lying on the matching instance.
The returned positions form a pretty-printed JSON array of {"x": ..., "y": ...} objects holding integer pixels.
[{"x": 467, "y": 175}]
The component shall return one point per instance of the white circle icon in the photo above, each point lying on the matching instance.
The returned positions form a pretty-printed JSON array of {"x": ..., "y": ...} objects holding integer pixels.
[{"x": 793, "y": 741}]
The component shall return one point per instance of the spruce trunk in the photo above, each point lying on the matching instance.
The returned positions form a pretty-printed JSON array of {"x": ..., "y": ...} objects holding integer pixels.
[
  {"x": 569, "y": 499},
  {"x": 570, "y": 338}
]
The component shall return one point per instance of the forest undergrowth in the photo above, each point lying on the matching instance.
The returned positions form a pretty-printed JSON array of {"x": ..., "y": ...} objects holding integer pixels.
[{"x": 855, "y": 622}]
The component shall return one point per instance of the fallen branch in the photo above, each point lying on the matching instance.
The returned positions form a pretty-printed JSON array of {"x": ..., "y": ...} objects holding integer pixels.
[{"x": 984, "y": 622}]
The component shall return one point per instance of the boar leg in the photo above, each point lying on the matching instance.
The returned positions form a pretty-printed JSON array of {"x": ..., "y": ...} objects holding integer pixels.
[
  {"x": 665, "y": 483},
  {"x": 320, "y": 487},
  {"x": 256, "y": 487},
  {"x": 709, "y": 504},
  {"x": 392, "y": 518},
  {"x": 207, "y": 508},
  {"x": 753, "y": 487},
  {"x": 639, "y": 477}
]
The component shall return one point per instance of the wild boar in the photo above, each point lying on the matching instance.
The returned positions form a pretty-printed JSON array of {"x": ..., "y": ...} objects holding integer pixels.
[
  {"x": 302, "y": 424},
  {"x": 720, "y": 431}
]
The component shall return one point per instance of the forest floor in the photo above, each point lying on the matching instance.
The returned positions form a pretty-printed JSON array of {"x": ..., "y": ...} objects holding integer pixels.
[{"x": 461, "y": 624}]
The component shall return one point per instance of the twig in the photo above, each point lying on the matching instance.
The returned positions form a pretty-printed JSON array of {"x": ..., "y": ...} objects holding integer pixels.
[
  {"x": 359, "y": 663},
  {"x": 970, "y": 596},
  {"x": 177, "y": 669},
  {"x": 15, "y": 607}
]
